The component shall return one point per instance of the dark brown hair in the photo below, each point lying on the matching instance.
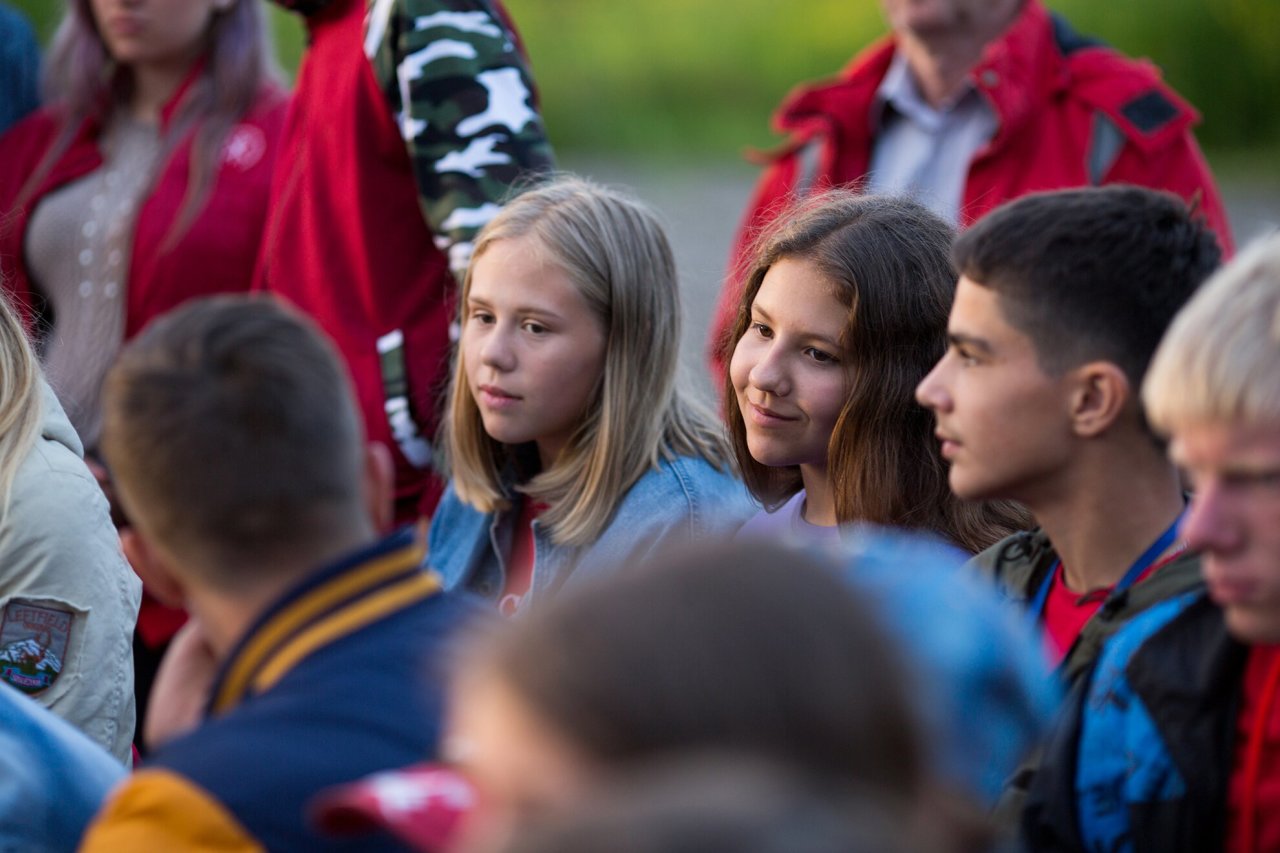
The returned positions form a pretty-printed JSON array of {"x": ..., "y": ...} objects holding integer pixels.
[
  {"x": 232, "y": 432},
  {"x": 1091, "y": 274},
  {"x": 887, "y": 260},
  {"x": 749, "y": 648}
]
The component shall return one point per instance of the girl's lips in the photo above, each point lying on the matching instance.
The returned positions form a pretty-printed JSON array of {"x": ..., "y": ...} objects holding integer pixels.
[
  {"x": 495, "y": 398},
  {"x": 767, "y": 417},
  {"x": 947, "y": 445},
  {"x": 124, "y": 25}
]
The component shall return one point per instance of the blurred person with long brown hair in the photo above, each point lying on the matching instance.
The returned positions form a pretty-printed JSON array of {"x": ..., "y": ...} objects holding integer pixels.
[{"x": 142, "y": 182}]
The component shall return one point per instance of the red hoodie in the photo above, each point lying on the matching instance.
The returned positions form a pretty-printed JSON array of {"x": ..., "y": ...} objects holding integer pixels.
[{"x": 216, "y": 254}]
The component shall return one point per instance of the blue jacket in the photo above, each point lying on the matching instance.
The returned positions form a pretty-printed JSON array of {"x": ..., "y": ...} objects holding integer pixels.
[
  {"x": 337, "y": 680},
  {"x": 1143, "y": 760},
  {"x": 984, "y": 687},
  {"x": 52, "y": 777},
  {"x": 682, "y": 500}
]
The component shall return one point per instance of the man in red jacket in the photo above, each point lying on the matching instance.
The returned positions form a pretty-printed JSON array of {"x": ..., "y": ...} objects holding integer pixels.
[
  {"x": 970, "y": 103},
  {"x": 411, "y": 122}
]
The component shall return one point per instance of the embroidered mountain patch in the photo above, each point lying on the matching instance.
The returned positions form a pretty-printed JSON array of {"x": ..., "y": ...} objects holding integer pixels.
[{"x": 33, "y": 642}]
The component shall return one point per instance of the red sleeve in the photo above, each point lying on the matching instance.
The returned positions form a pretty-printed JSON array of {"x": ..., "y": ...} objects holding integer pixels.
[
  {"x": 1180, "y": 168},
  {"x": 22, "y": 148}
]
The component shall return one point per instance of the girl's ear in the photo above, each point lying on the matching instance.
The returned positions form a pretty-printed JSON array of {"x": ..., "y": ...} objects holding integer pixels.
[{"x": 1099, "y": 396}]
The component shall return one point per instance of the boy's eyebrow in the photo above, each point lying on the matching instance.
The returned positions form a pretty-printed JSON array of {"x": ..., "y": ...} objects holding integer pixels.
[{"x": 961, "y": 339}]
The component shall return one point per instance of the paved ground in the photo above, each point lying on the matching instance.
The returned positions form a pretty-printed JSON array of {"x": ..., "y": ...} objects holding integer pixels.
[{"x": 701, "y": 207}]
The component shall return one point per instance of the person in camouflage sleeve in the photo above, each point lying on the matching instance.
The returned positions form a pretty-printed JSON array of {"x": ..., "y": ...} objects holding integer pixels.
[{"x": 412, "y": 121}]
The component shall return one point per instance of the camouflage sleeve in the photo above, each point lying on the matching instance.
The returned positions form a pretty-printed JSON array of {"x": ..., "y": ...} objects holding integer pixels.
[{"x": 464, "y": 99}]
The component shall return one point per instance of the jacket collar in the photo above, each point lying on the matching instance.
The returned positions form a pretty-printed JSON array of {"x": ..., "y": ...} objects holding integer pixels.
[
  {"x": 336, "y": 601},
  {"x": 91, "y": 128},
  {"x": 1021, "y": 561},
  {"x": 1020, "y": 67},
  {"x": 1013, "y": 72},
  {"x": 1188, "y": 675},
  {"x": 170, "y": 109}
]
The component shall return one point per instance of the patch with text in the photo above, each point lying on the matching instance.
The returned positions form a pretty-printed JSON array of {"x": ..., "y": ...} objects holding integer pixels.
[{"x": 33, "y": 641}]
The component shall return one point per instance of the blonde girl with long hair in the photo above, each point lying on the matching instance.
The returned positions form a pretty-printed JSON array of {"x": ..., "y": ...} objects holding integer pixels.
[{"x": 571, "y": 447}]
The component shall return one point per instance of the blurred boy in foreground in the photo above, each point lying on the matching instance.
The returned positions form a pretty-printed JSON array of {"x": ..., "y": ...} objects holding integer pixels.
[{"x": 237, "y": 448}]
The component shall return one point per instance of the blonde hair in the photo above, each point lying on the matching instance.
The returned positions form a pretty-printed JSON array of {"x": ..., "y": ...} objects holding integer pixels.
[
  {"x": 1220, "y": 360},
  {"x": 614, "y": 250},
  {"x": 20, "y": 405}
]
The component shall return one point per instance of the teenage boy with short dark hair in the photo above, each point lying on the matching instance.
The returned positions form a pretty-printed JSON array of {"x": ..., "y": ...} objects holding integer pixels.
[
  {"x": 1062, "y": 300},
  {"x": 1174, "y": 744},
  {"x": 237, "y": 450}
]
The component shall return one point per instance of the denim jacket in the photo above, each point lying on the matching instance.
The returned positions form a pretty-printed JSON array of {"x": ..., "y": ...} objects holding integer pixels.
[
  {"x": 52, "y": 777},
  {"x": 685, "y": 499}
]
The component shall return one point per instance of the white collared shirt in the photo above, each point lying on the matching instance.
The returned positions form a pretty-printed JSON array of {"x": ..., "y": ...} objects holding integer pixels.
[{"x": 925, "y": 152}]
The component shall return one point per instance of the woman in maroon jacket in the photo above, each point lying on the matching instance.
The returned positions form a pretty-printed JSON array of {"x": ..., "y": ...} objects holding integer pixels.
[{"x": 143, "y": 183}]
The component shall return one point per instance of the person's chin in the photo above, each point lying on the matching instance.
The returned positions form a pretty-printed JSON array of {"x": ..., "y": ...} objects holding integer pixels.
[
  {"x": 961, "y": 486},
  {"x": 768, "y": 453},
  {"x": 502, "y": 431},
  {"x": 1252, "y": 626},
  {"x": 968, "y": 490}
]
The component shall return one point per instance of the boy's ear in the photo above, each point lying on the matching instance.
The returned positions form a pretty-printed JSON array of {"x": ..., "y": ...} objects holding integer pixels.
[
  {"x": 152, "y": 568},
  {"x": 379, "y": 485},
  {"x": 1100, "y": 393}
]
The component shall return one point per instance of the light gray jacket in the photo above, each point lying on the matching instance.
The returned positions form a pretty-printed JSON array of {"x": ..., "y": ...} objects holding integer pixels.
[{"x": 68, "y": 599}]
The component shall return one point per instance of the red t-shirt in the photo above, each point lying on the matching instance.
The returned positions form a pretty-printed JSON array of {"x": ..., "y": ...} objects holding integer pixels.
[
  {"x": 1065, "y": 615},
  {"x": 1255, "y": 772},
  {"x": 1066, "y": 612},
  {"x": 520, "y": 562}
]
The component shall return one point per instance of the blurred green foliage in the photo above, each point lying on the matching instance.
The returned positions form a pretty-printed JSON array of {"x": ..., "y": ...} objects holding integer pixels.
[
  {"x": 670, "y": 78},
  {"x": 670, "y": 75}
]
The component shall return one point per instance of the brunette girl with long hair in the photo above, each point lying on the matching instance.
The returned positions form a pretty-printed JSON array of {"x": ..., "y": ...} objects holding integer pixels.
[{"x": 844, "y": 311}]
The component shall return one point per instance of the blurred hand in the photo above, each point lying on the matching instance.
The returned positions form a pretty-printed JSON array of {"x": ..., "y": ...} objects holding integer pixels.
[{"x": 182, "y": 685}]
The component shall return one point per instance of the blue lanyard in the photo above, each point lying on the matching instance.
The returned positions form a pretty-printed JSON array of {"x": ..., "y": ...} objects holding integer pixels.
[{"x": 1139, "y": 566}]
